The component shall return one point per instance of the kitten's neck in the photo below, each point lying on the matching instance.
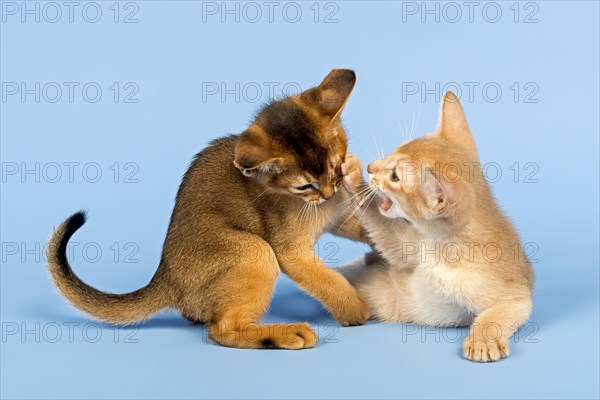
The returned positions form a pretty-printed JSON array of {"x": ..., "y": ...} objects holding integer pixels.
[
  {"x": 483, "y": 221},
  {"x": 441, "y": 230}
]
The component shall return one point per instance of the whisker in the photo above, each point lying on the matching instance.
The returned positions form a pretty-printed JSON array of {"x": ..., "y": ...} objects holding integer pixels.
[
  {"x": 260, "y": 194},
  {"x": 302, "y": 212},
  {"x": 372, "y": 156},
  {"x": 416, "y": 124},
  {"x": 367, "y": 197},
  {"x": 404, "y": 136},
  {"x": 376, "y": 147},
  {"x": 307, "y": 212},
  {"x": 363, "y": 192},
  {"x": 373, "y": 195},
  {"x": 412, "y": 125},
  {"x": 358, "y": 208},
  {"x": 360, "y": 192},
  {"x": 276, "y": 201}
]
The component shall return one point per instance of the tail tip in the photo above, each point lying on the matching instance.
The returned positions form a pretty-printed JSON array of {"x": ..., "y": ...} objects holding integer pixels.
[
  {"x": 72, "y": 224},
  {"x": 76, "y": 221}
]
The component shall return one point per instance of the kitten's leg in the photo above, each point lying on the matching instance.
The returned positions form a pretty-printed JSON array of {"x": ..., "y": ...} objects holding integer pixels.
[
  {"x": 387, "y": 234},
  {"x": 245, "y": 295},
  {"x": 355, "y": 269},
  {"x": 491, "y": 330},
  {"x": 383, "y": 288},
  {"x": 350, "y": 227},
  {"x": 329, "y": 286}
]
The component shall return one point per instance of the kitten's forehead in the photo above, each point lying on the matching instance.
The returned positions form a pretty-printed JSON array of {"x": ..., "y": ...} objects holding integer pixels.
[
  {"x": 397, "y": 158},
  {"x": 411, "y": 152},
  {"x": 309, "y": 142},
  {"x": 295, "y": 134}
]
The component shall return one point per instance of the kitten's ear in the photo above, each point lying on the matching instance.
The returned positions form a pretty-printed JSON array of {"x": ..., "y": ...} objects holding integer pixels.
[
  {"x": 253, "y": 155},
  {"x": 437, "y": 197},
  {"x": 453, "y": 123},
  {"x": 330, "y": 97}
]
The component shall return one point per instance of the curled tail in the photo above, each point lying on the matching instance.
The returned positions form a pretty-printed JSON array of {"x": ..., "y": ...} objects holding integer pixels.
[{"x": 114, "y": 308}]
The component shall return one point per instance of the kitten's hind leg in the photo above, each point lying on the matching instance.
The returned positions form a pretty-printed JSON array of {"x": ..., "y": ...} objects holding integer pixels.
[
  {"x": 382, "y": 287},
  {"x": 246, "y": 294},
  {"x": 192, "y": 318}
]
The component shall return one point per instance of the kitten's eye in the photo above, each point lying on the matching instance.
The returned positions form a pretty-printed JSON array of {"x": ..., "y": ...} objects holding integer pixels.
[
  {"x": 305, "y": 187},
  {"x": 394, "y": 176}
]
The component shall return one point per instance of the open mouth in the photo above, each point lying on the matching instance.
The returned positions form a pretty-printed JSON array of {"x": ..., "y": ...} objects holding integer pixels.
[{"x": 385, "y": 203}]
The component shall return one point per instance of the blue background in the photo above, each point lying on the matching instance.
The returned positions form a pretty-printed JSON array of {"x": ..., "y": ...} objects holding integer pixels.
[{"x": 172, "y": 55}]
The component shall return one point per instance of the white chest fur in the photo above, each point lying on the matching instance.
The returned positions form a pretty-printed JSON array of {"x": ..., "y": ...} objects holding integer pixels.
[{"x": 438, "y": 296}]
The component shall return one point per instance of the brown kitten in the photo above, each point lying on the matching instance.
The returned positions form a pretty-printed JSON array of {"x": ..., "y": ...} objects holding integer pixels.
[
  {"x": 249, "y": 206},
  {"x": 450, "y": 256}
]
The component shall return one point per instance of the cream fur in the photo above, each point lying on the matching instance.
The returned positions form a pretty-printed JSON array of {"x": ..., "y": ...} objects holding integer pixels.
[{"x": 446, "y": 250}]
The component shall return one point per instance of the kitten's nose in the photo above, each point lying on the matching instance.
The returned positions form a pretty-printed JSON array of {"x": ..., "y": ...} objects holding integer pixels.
[
  {"x": 327, "y": 192},
  {"x": 375, "y": 167}
]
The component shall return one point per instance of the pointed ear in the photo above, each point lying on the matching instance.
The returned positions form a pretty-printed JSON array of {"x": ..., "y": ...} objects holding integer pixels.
[
  {"x": 254, "y": 156},
  {"x": 437, "y": 197},
  {"x": 330, "y": 97},
  {"x": 453, "y": 123}
]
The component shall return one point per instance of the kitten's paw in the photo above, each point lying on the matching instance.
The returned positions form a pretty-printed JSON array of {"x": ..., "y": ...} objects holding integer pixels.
[
  {"x": 480, "y": 349},
  {"x": 353, "y": 173},
  {"x": 293, "y": 337},
  {"x": 352, "y": 312}
]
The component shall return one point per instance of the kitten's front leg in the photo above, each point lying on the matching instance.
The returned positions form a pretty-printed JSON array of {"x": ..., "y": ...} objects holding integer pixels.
[
  {"x": 330, "y": 287},
  {"x": 349, "y": 226},
  {"x": 353, "y": 179},
  {"x": 490, "y": 332}
]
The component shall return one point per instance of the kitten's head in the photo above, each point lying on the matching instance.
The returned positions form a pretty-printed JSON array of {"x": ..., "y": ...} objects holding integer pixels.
[
  {"x": 433, "y": 176},
  {"x": 296, "y": 145}
]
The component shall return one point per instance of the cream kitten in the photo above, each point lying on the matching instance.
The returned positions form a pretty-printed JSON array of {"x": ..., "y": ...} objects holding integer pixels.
[{"x": 448, "y": 256}]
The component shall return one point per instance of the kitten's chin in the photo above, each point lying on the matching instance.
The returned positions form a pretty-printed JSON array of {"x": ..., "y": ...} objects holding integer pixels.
[{"x": 315, "y": 202}]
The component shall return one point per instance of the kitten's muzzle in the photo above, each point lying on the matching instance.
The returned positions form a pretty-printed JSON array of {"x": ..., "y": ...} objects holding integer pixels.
[
  {"x": 374, "y": 181},
  {"x": 375, "y": 166},
  {"x": 327, "y": 192}
]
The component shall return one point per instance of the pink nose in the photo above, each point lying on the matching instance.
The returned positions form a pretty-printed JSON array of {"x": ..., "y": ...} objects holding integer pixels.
[{"x": 369, "y": 169}]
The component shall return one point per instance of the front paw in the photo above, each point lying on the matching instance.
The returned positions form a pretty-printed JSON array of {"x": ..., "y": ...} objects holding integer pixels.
[
  {"x": 481, "y": 347},
  {"x": 351, "y": 311},
  {"x": 352, "y": 170}
]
